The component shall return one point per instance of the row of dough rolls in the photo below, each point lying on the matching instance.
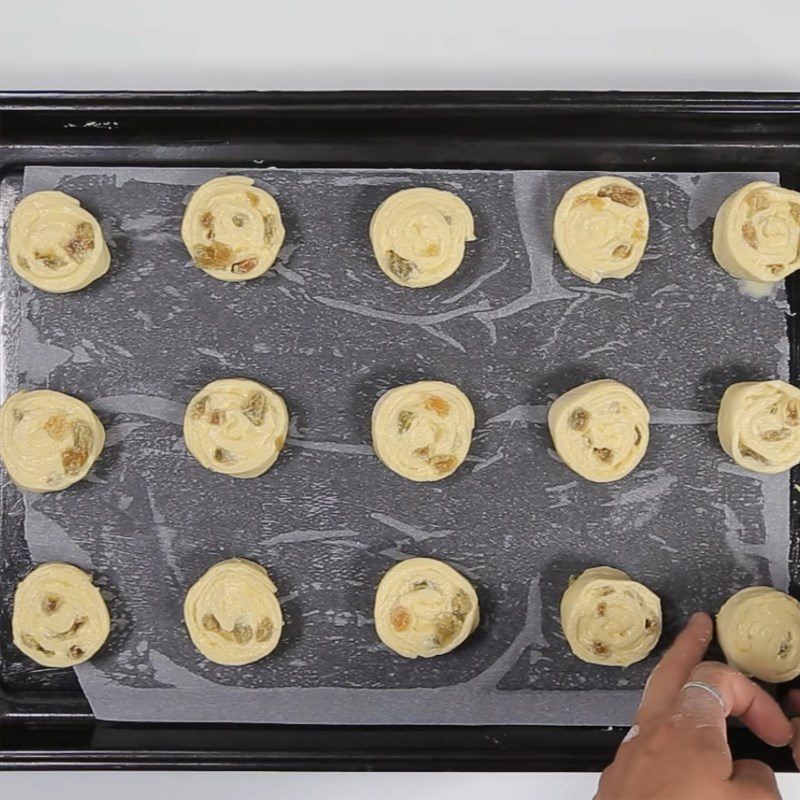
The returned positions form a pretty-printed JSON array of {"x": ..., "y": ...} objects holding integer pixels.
[
  {"x": 233, "y": 231},
  {"x": 422, "y": 431},
  {"x": 611, "y": 620},
  {"x": 423, "y": 608}
]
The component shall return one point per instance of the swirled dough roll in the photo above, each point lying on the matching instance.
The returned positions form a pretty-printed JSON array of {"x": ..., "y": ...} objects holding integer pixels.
[
  {"x": 418, "y": 235},
  {"x": 600, "y": 430},
  {"x": 609, "y": 619},
  {"x": 48, "y": 440},
  {"x": 60, "y": 618},
  {"x": 759, "y": 632},
  {"x": 423, "y": 430},
  {"x": 757, "y": 233},
  {"x": 424, "y": 608},
  {"x": 236, "y": 426},
  {"x": 232, "y": 614},
  {"x": 759, "y": 425},
  {"x": 232, "y": 229},
  {"x": 55, "y": 244},
  {"x": 601, "y": 227}
]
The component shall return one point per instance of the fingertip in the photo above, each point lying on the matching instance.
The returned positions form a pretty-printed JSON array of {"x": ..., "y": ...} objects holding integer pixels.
[
  {"x": 781, "y": 739},
  {"x": 703, "y": 623},
  {"x": 794, "y": 700}
]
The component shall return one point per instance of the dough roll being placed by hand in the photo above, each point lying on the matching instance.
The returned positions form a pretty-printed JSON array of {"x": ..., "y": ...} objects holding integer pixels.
[
  {"x": 424, "y": 608},
  {"x": 48, "y": 440},
  {"x": 55, "y": 244},
  {"x": 759, "y": 425},
  {"x": 600, "y": 430},
  {"x": 236, "y": 426},
  {"x": 601, "y": 227},
  {"x": 609, "y": 619},
  {"x": 232, "y": 614},
  {"x": 232, "y": 229},
  {"x": 418, "y": 235},
  {"x": 423, "y": 430},
  {"x": 60, "y": 618},
  {"x": 759, "y": 632},
  {"x": 757, "y": 233}
]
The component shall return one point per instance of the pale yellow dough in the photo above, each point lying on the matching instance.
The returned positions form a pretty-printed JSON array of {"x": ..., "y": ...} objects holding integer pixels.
[
  {"x": 418, "y": 235},
  {"x": 48, "y": 440},
  {"x": 55, "y": 244},
  {"x": 609, "y": 619},
  {"x": 759, "y": 632},
  {"x": 600, "y": 430},
  {"x": 60, "y": 618},
  {"x": 424, "y": 608},
  {"x": 757, "y": 233},
  {"x": 759, "y": 425},
  {"x": 423, "y": 430},
  {"x": 232, "y": 614},
  {"x": 236, "y": 426},
  {"x": 601, "y": 227},
  {"x": 232, "y": 229}
]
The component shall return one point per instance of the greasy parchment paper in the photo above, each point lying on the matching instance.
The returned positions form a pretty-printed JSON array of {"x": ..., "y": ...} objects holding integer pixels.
[{"x": 327, "y": 330}]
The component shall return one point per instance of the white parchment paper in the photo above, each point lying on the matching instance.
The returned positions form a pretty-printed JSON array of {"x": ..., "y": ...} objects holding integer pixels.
[{"x": 513, "y": 328}]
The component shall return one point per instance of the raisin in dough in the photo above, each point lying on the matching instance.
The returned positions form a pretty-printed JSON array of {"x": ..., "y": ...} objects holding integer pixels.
[
  {"x": 600, "y": 430},
  {"x": 423, "y": 430},
  {"x": 757, "y": 233},
  {"x": 418, "y": 235},
  {"x": 424, "y": 608},
  {"x": 232, "y": 614},
  {"x": 759, "y": 632},
  {"x": 236, "y": 426},
  {"x": 232, "y": 229},
  {"x": 48, "y": 440},
  {"x": 60, "y": 618},
  {"x": 759, "y": 425},
  {"x": 609, "y": 619},
  {"x": 601, "y": 227},
  {"x": 55, "y": 244}
]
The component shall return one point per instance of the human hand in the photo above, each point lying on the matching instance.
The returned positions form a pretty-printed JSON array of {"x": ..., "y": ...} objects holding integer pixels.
[
  {"x": 794, "y": 707},
  {"x": 678, "y": 747}
]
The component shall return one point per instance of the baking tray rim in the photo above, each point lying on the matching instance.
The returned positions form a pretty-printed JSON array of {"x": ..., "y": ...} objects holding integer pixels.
[{"x": 502, "y": 749}]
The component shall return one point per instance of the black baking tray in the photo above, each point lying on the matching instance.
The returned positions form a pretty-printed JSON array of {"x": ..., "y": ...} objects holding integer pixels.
[{"x": 53, "y": 727}]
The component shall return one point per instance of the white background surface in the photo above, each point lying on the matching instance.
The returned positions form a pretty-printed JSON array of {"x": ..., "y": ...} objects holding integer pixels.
[
  {"x": 403, "y": 44},
  {"x": 350, "y": 786}
]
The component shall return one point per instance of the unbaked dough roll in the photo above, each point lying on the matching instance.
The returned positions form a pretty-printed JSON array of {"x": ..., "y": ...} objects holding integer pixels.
[
  {"x": 609, "y": 619},
  {"x": 600, "y": 430},
  {"x": 759, "y": 632},
  {"x": 601, "y": 228},
  {"x": 55, "y": 244},
  {"x": 232, "y": 229},
  {"x": 236, "y": 426},
  {"x": 232, "y": 614},
  {"x": 759, "y": 425},
  {"x": 424, "y": 608},
  {"x": 423, "y": 430},
  {"x": 48, "y": 440},
  {"x": 60, "y": 618},
  {"x": 757, "y": 233},
  {"x": 418, "y": 235}
]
